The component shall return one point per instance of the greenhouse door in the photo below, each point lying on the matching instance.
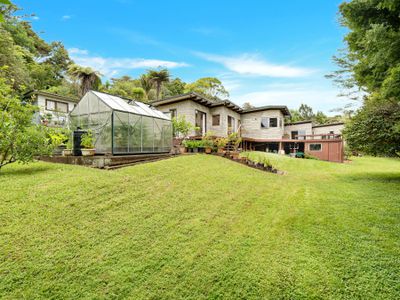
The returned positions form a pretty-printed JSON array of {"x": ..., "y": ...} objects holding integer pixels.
[{"x": 201, "y": 121}]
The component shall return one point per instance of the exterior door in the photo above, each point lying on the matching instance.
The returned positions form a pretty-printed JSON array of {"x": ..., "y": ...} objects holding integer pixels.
[
  {"x": 201, "y": 123},
  {"x": 231, "y": 125}
]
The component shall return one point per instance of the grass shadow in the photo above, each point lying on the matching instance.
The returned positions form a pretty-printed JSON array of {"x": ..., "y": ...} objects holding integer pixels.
[
  {"x": 23, "y": 170},
  {"x": 378, "y": 177}
]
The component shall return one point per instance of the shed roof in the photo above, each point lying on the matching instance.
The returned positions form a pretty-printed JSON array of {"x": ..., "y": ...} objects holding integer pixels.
[{"x": 128, "y": 105}]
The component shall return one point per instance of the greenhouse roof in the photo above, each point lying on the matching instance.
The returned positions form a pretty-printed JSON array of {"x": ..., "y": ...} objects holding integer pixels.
[{"x": 134, "y": 107}]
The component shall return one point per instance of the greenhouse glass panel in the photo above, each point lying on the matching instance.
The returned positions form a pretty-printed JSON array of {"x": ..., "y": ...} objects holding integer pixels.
[
  {"x": 135, "y": 133},
  {"x": 102, "y": 133},
  {"x": 121, "y": 132},
  {"x": 122, "y": 126},
  {"x": 147, "y": 134},
  {"x": 157, "y": 135}
]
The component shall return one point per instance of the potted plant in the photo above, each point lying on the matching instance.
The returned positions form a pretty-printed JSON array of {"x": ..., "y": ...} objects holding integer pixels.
[
  {"x": 68, "y": 150},
  {"x": 181, "y": 129},
  {"x": 208, "y": 142},
  {"x": 87, "y": 144},
  {"x": 221, "y": 143},
  {"x": 235, "y": 140}
]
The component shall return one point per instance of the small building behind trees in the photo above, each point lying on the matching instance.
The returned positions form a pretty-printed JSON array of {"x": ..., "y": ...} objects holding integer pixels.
[{"x": 122, "y": 126}]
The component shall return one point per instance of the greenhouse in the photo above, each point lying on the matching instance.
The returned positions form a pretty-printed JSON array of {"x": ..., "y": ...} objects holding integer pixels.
[{"x": 122, "y": 126}]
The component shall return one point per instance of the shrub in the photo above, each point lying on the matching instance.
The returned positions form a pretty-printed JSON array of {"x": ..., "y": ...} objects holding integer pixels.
[{"x": 87, "y": 140}]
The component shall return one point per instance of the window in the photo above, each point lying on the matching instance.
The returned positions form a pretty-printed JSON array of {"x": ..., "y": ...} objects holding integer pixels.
[
  {"x": 264, "y": 122},
  {"x": 273, "y": 122},
  {"x": 301, "y": 135},
  {"x": 315, "y": 147},
  {"x": 216, "y": 120},
  {"x": 56, "y": 106},
  {"x": 294, "y": 135}
]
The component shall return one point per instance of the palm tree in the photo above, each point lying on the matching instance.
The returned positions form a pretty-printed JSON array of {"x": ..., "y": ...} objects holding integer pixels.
[
  {"x": 158, "y": 78},
  {"x": 87, "y": 77},
  {"x": 146, "y": 84}
]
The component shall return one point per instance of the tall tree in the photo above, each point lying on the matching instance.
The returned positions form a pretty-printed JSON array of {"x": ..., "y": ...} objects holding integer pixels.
[
  {"x": 88, "y": 78},
  {"x": 371, "y": 62},
  {"x": 174, "y": 87},
  {"x": 209, "y": 87},
  {"x": 247, "y": 105},
  {"x": 146, "y": 84},
  {"x": 158, "y": 77},
  {"x": 306, "y": 112}
]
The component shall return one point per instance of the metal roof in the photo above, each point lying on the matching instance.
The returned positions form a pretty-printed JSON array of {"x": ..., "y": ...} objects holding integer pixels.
[{"x": 135, "y": 107}]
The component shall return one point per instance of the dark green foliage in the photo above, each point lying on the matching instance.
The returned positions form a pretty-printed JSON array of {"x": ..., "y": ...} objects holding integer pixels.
[
  {"x": 306, "y": 113},
  {"x": 375, "y": 129},
  {"x": 371, "y": 63}
]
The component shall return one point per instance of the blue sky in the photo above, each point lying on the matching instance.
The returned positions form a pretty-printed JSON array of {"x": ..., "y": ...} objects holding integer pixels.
[{"x": 265, "y": 52}]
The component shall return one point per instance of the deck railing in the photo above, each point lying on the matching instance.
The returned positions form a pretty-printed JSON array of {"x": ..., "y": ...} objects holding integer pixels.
[{"x": 322, "y": 136}]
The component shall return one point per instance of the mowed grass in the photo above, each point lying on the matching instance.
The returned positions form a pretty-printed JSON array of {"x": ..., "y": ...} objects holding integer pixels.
[{"x": 201, "y": 227}]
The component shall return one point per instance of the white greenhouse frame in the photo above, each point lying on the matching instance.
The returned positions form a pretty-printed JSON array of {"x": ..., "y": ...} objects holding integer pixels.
[{"x": 122, "y": 126}]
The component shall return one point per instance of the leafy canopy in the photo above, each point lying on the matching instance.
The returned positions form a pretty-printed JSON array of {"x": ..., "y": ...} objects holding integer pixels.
[{"x": 371, "y": 63}]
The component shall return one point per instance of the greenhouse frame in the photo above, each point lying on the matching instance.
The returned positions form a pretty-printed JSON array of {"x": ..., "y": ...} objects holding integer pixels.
[{"x": 122, "y": 126}]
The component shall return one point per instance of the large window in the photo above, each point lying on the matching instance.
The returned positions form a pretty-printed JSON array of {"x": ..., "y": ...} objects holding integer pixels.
[
  {"x": 269, "y": 122},
  {"x": 273, "y": 122},
  {"x": 315, "y": 147},
  {"x": 56, "y": 106},
  {"x": 216, "y": 120}
]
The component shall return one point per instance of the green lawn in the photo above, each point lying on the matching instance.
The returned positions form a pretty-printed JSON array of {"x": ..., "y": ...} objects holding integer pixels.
[{"x": 201, "y": 227}]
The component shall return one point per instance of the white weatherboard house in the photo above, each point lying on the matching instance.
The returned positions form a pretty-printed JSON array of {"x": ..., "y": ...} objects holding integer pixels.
[
  {"x": 53, "y": 109},
  {"x": 261, "y": 128}
]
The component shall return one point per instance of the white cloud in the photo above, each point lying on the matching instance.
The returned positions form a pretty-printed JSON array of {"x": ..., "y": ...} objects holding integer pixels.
[
  {"x": 253, "y": 64},
  {"x": 78, "y": 51},
  {"x": 35, "y": 18},
  {"x": 66, "y": 17},
  {"x": 112, "y": 66}
]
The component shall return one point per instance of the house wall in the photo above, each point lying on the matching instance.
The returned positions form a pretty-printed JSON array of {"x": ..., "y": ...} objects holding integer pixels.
[
  {"x": 188, "y": 109},
  {"x": 224, "y": 112},
  {"x": 251, "y": 125},
  {"x": 307, "y": 127},
  {"x": 58, "y": 118},
  {"x": 337, "y": 129}
]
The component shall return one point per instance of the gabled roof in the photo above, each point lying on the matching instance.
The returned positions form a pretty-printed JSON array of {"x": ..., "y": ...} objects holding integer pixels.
[
  {"x": 128, "y": 105},
  {"x": 51, "y": 95},
  {"x": 282, "y": 108},
  {"x": 199, "y": 99}
]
